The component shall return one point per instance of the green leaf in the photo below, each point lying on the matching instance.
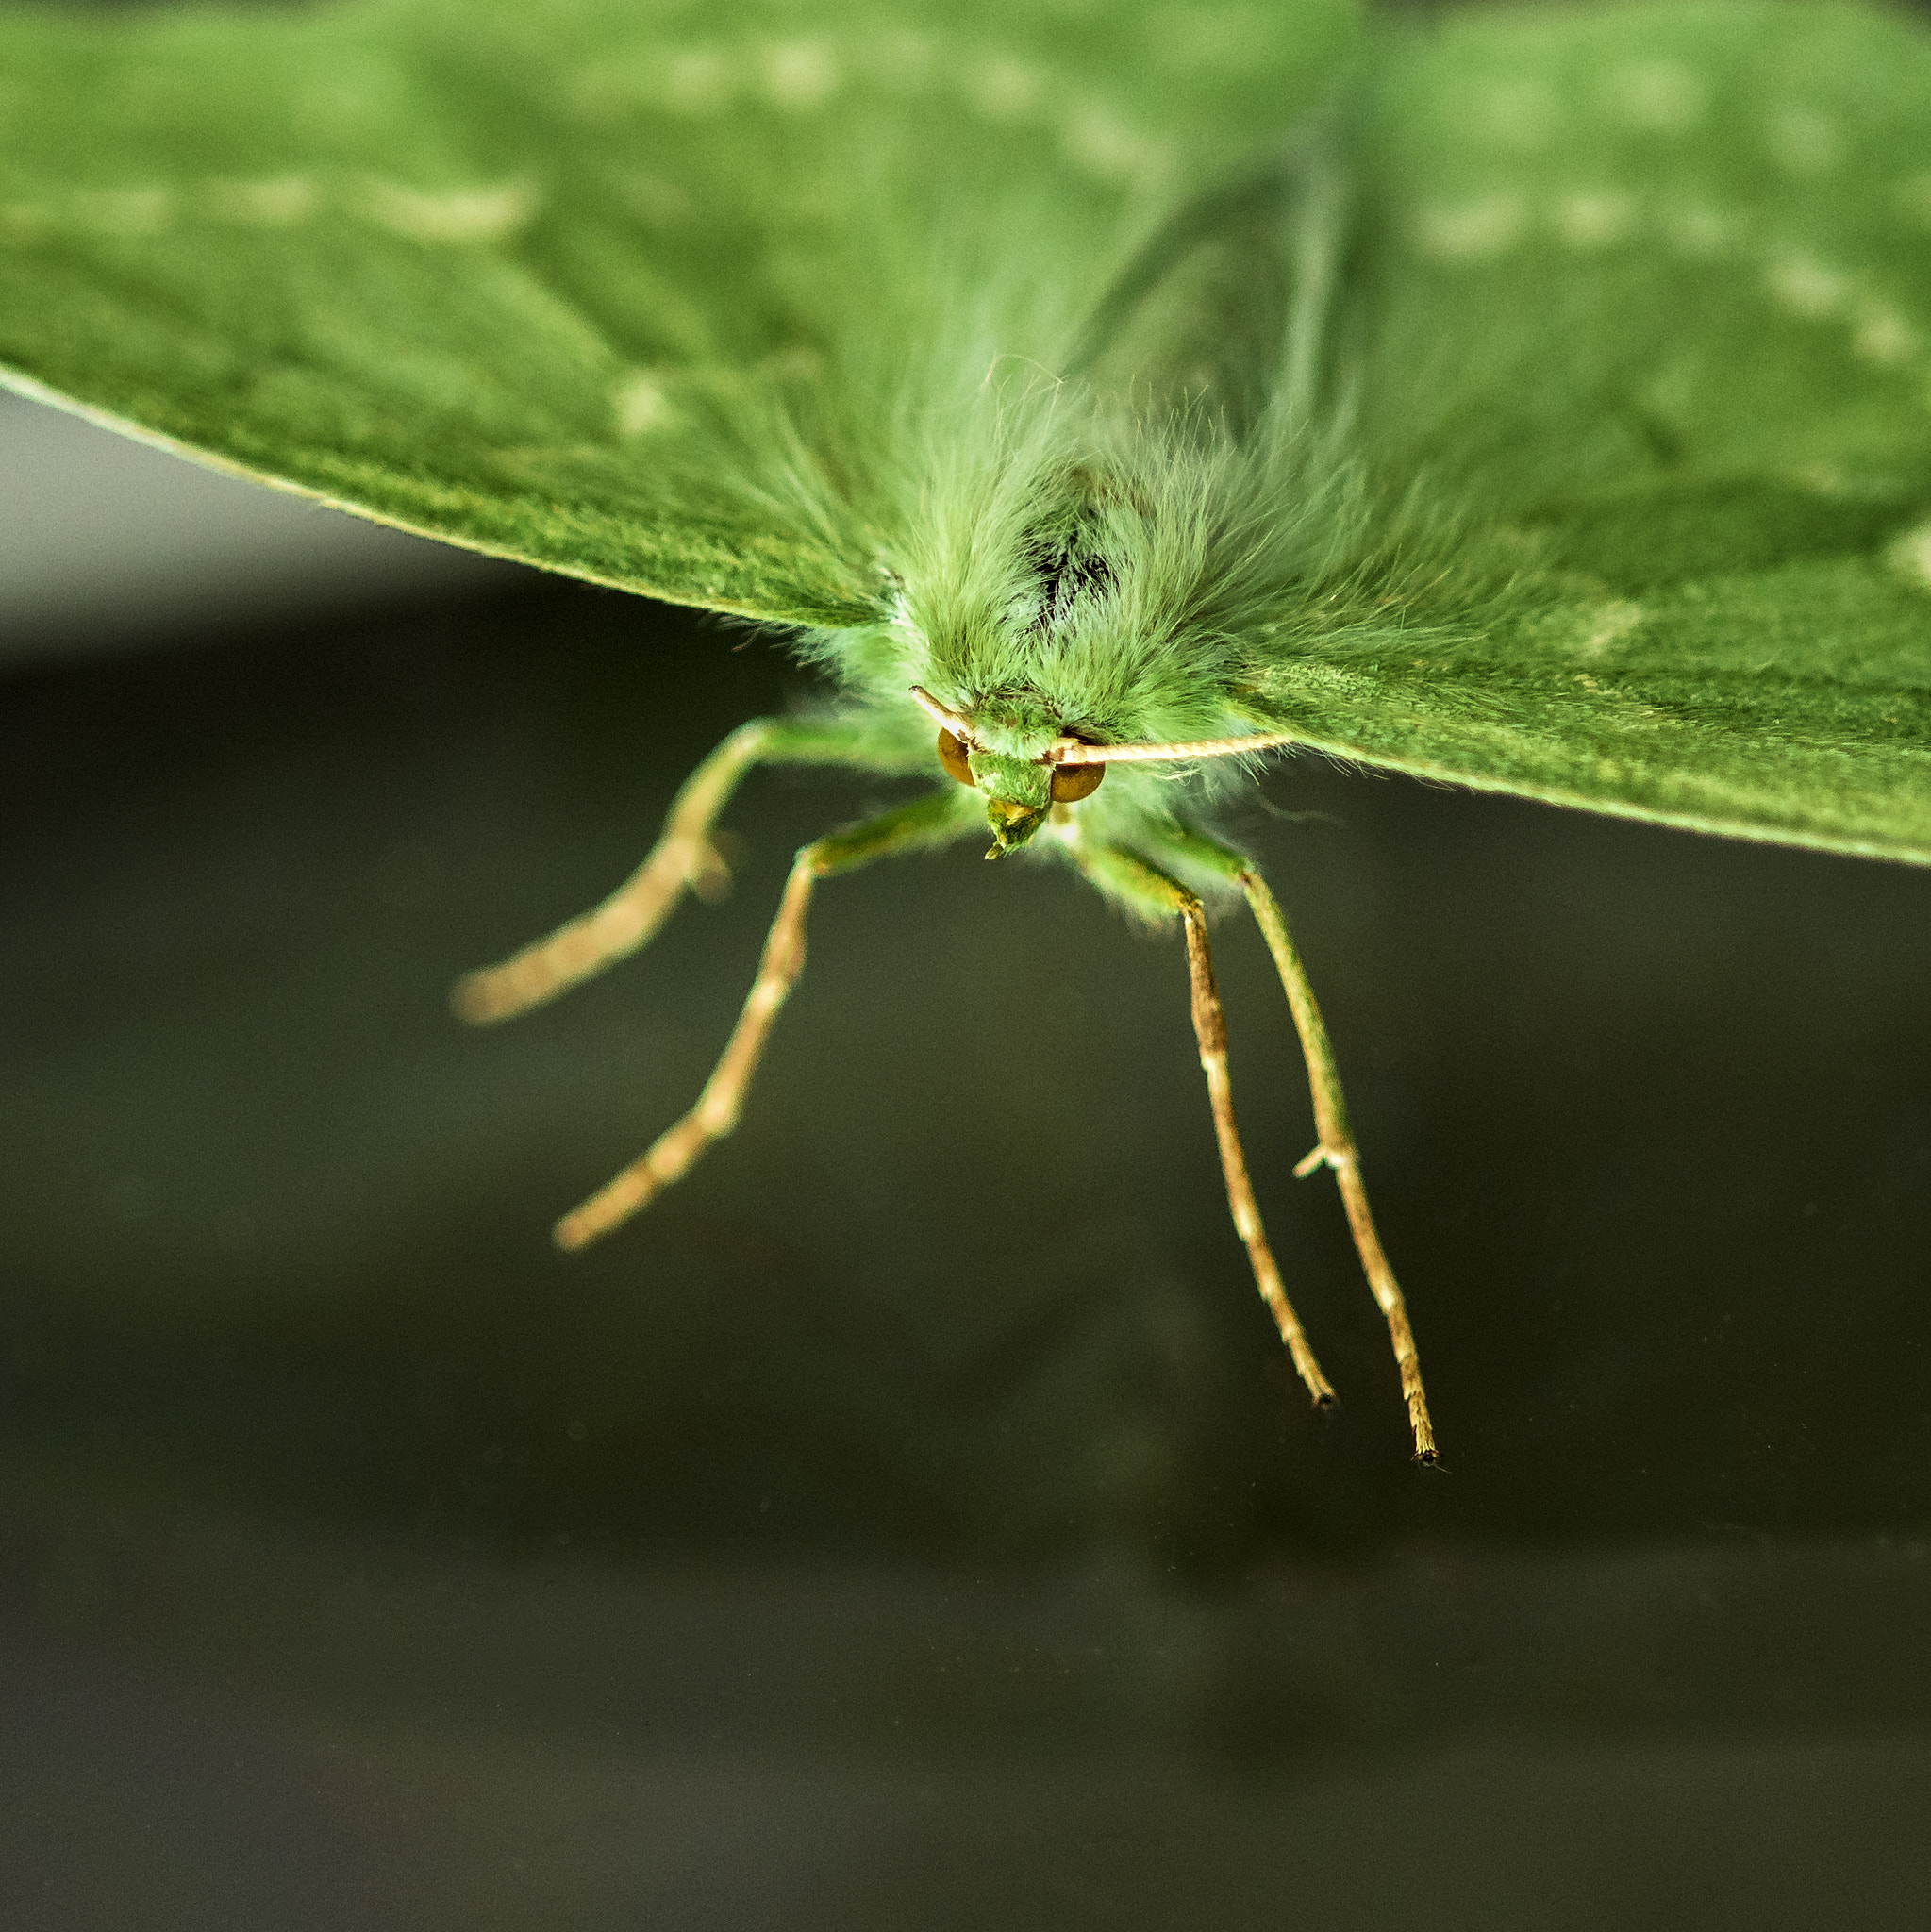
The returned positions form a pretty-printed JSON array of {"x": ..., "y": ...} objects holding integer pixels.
[
  {"x": 496, "y": 271},
  {"x": 1653, "y": 286},
  {"x": 1641, "y": 316}
]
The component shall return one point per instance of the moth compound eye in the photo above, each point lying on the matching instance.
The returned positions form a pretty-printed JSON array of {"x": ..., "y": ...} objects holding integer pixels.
[
  {"x": 952, "y": 755},
  {"x": 1071, "y": 783}
]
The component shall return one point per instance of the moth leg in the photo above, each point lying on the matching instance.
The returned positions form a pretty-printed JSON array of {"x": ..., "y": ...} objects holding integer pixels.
[
  {"x": 928, "y": 820},
  {"x": 1336, "y": 1147},
  {"x": 1152, "y": 893},
  {"x": 684, "y": 856}
]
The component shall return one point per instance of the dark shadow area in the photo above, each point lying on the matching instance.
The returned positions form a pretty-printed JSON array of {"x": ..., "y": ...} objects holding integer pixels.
[{"x": 912, "y": 1520}]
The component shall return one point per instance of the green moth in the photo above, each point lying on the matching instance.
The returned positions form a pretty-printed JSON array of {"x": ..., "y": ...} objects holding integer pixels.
[{"x": 1101, "y": 393}]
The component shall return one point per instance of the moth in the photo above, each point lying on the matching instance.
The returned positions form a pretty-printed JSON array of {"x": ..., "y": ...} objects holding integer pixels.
[{"x": 1103, "y": 396}]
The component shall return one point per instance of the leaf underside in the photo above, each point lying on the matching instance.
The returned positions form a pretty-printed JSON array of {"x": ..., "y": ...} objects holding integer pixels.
[{"x": 1643, "y": 296}]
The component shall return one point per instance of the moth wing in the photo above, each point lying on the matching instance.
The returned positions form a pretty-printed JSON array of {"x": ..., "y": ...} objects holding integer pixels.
[
  {"x": 562, "y": 282},
  {"x": 1644, "y": 302}
]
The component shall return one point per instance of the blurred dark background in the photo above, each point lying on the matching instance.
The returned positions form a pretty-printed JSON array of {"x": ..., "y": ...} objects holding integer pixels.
[
  {"x": 912, "y": 1522},
  {"x": 907, "y": 1522}
]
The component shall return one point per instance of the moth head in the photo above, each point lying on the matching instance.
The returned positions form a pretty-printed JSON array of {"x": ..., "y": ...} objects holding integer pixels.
[{"x": 1020, "y": 792}]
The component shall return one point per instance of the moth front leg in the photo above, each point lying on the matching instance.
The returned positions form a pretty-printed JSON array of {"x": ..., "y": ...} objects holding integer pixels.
[
  {"x": 1139, "y": 886},
  {"x": 933, "y": 820},
  {"x": 683, "y": 858}
]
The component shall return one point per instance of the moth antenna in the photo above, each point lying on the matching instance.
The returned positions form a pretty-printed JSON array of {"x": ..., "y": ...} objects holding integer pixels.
[
  {"x": 1074, "y": 751},
  {"x": 955, "y": 721},
  {"x": 684, "y": 858}
]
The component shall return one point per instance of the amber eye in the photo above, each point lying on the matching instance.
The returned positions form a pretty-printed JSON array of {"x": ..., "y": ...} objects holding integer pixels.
[
  {"x": 952, "y": 755},
  {"x": 1071, "y": 783}
]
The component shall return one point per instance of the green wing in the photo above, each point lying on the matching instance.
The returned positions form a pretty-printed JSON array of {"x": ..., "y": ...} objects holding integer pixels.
[
  {"x": 505, "y": 271},
  {"x": 1654, "y": 288},
  {"x": 1646, "y": 294}
]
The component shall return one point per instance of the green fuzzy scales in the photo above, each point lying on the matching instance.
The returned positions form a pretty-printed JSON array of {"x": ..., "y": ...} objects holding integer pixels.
[{"x": 1607, "y": 479}]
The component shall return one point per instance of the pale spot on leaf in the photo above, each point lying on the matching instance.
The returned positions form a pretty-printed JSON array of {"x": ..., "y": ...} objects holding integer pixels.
[
  {"x": 1589, "y": 633},
  {"x": 1517, "y": 114},
  {"x": 1472, "y": 230},
  {"x": 1806, "y": 286},
  {"x": 1823, "y": 479},
  {"x": 1204, "y": 38},
  {"x": 1004, "y": 90},
  {"x": 1914, "y": 197},
  {"x": 642, "y": 404},
  {"x": 1703, "y": 231},
  {"x": 1106, "y": 145},
  {"x": 276, "y": 203},
  {"x": 603, "y": 92},
  {"x": 903, "y": 59},
  {"x": 1803, "y": 141},
  {"x": 450, "y": 214},
  {"x": 1605, "y": 625},
  {"x": 123, "y": 210},
  {"x": 1523, "y": 542},
  {"x": 1595, "y": 220},
  {"x": 1660, "y": 95},
  {"x": 800, "y": 362},
  {"x": 1910, "y": 555},
  {"x": 1852, "y": 482},
  {"x": 698, "y": 81},
  {"x": 801, "y": 74},
  {"x": 1879, "y": 334}
]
